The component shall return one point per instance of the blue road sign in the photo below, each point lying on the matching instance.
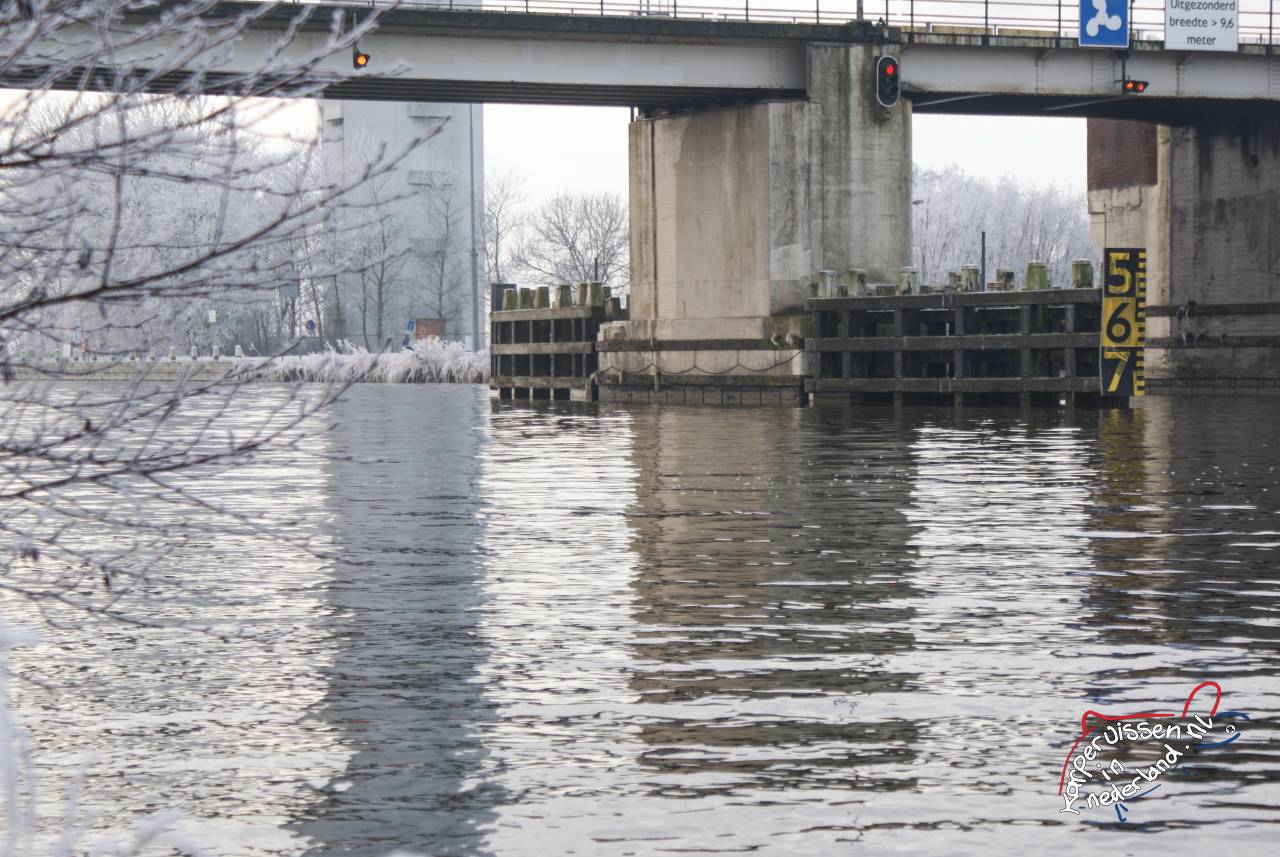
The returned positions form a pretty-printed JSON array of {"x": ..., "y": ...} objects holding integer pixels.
[
  {"x": 1104, "y": 23},
  {"x": 410, "y": 326},
  {"x": 311, "y": 326}
]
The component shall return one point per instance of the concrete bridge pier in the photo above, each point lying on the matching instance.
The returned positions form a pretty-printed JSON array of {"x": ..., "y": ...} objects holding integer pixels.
[
  {"x": 734, "y": 212},
  {"x": 1204, "y": 198}
]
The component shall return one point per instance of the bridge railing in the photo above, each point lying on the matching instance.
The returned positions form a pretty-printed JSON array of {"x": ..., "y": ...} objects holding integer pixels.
[{"x": 1259, "y": 21}]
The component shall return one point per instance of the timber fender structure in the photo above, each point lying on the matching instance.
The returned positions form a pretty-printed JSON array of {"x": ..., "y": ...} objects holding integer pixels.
[{"x": 1018, "y": 347}]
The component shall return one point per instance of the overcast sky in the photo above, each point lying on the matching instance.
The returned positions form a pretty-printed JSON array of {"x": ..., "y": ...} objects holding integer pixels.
[{"x": 585, "y": 148}]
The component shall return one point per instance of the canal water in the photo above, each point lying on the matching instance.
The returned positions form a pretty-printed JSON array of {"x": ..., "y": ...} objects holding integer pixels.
[{"x": 563, "y": 628}]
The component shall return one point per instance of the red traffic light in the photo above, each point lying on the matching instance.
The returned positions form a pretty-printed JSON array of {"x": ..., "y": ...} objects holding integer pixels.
[
  {"x": 359, "y": 59},
  {"x": 1134, "y": 87},
  {"x": 888, "y": 81}
]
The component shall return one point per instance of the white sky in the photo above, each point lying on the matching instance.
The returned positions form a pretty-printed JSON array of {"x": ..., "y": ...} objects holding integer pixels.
[{"x": 585, "y": 148}]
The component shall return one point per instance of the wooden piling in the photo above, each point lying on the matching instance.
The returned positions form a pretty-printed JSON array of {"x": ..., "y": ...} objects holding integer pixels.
[
  {"x": 969, "y": 348},
  {"x": 1081, "y": 274},
  {"x": 1037, "y": 276}
]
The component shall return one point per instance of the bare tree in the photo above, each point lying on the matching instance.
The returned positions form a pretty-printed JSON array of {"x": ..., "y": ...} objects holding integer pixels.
[
  {"x": 1023, "y": 222},
  {"x": 118, "y": 208},
  {"x": 504, "y": 221},
  {"x": 443, "y": 293},
  {"x": 575, "y": 238},
  {"x": 381, "y": 248}
]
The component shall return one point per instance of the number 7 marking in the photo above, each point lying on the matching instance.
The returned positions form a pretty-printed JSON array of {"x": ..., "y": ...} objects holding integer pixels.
[{"x": 1123, "y": 360}]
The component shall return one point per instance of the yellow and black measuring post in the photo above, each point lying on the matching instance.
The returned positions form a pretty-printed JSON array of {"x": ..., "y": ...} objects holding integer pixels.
[{"x": 1124, "y": 321}]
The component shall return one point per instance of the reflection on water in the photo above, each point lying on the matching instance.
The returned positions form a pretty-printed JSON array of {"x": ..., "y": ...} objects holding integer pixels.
[
  {"x": 564, "y": 628},
  {"x": 402, "y": 606}
]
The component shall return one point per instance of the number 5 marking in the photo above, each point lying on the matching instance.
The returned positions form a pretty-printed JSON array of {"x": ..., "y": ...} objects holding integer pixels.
[{"x": 1113, "y": 269}]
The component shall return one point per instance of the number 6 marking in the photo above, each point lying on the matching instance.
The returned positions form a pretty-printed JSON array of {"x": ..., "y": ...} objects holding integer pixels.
[{"x": 1118, "y": 320}]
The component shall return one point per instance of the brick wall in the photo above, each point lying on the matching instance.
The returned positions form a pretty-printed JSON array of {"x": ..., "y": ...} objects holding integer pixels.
[{"x": 1121, "y": 153}]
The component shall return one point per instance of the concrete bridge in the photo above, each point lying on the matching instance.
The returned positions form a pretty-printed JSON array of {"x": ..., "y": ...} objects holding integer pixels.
[{"x": 760, "y": 156}]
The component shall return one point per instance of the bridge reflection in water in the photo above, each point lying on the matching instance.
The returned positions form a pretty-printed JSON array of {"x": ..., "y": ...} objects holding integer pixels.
[{"x": 575, "y": 628}]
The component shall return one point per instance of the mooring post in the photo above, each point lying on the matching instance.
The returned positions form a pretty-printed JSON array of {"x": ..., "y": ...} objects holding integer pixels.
[
  {"x": 1037, "y": 275},
  {"x": 1081, "y": 274},
  {"x": 859, "y": 282},
  {"x": 827, "y": 286},
  {"x": 909, "y": 281}
]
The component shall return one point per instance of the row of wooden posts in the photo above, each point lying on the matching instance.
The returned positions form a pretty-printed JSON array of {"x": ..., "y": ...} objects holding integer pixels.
[
  {"x": 564, "y": 295},
  {"x": 853, "y": 283}
]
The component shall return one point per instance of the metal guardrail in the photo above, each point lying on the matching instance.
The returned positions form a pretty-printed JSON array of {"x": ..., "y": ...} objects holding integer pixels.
[{"x": 1259, "y": 21}]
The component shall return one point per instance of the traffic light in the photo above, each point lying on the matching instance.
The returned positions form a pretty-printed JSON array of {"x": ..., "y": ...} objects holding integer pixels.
[
  {"x": 359, "y": 59},
  {"x": 1129, "y": 86},
  {"x": 888, "y": 81}
]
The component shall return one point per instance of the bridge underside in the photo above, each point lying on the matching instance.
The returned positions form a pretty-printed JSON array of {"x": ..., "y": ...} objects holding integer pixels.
[
  {"x": 1143, "y": 108},
  {"x": 646, "y": 98},
  {"x": 651, "y": 100}
]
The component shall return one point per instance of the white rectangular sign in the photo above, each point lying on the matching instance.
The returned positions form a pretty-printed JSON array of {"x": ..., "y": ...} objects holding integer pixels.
[{"x": 1201, "y": 25}]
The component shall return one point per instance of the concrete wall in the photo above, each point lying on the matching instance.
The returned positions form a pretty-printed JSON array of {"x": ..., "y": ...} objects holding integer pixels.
[
  {"x": 1225, "y": 219},
  {"x": 450, "y": 162},
  {"x": 722, "y": 220},
  {"x": 865, "y": 182},
  {"x": 1129, "y": 206},
  {"x": 1212, "y": 226},
  {"x": 734, "y": 211}
]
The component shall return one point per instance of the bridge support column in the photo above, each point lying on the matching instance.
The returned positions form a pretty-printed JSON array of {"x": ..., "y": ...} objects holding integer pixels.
[
  {"x": 1211, "y": 222},
  {"x": 865, "y": 187},
  {"x": 734, "y": 212}
]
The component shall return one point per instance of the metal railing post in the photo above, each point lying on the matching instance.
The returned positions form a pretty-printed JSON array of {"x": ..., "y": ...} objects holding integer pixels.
[
  {"x": 817, "y": 11},
  {"x": 746, "y": 8},
  {"x": 913, "y": 16}
]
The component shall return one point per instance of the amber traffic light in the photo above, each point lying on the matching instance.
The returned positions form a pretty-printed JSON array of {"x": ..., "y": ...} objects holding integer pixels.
[
  {"x": 1134, "y": 87},
  {"x": 359, "y": 59}
]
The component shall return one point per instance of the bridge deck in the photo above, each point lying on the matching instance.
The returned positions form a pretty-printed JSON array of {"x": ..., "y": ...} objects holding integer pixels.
[{"x": 657, "y": 62}]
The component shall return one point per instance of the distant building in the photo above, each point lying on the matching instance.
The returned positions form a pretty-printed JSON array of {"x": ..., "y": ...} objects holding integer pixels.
[{"x": 428, "y": 212}]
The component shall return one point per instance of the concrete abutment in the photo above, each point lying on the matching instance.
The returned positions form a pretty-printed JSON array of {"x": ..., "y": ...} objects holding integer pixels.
[
  {"x": 734, "y": 213},
  {"x": 1204, "y": 199}
]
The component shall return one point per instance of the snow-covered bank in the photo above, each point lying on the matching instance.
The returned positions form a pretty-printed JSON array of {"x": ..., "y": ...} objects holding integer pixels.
[{"x": 431, "y": 362}]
